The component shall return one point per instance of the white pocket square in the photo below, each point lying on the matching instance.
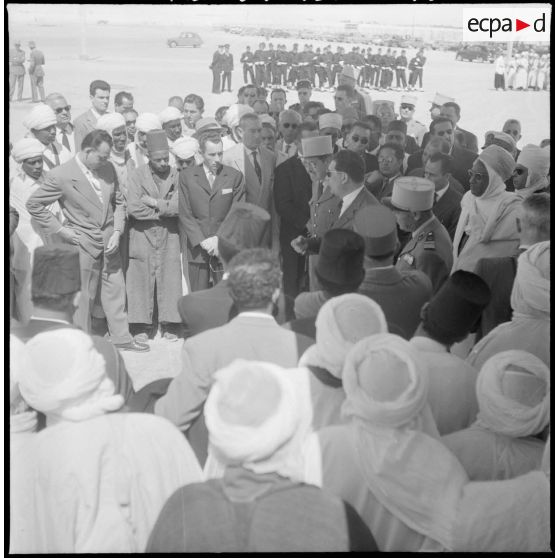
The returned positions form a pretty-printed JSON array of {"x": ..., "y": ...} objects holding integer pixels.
[{"x": 226, "y": 191}]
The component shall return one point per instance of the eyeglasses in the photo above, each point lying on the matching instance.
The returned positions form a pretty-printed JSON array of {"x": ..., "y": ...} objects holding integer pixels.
[
  {"x": 406, "y": 106},
  {"x": 387, "y": 160},
  {"x": 67, "y": 108},
  {"x": 519, "y": 172},
  {"x": 329, "y": 173},
  {"x": 357, "y": 139},
  {"x": 287, "y": 125},
  {"x": 476, "y": 175}
]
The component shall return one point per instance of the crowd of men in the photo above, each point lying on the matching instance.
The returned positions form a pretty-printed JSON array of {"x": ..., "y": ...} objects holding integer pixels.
[
  {"x": 363, "y": 304},
  {"x": 269, "y": 65},
  {"x": 525, "y": 71}
]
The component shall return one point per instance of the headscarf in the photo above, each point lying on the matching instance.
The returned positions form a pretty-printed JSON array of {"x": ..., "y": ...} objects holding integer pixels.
[
  {"x": 184, "y": 148},
  {"x": 40, "y": 117},
  {"x": 110, "y": 121},
  {"x": 531, "y": 288},
  {"x": 405, "y": 465},
  {"x": 514, "y": 403},
  {"x": 66, "y": 378},
  {"x": 341, "y": 322},
  {"x": 27, "y": 148},
  {"x": 259, "y": 416},
  {"x": 234, "y": 113},
  {"x": 22, "y": 418},
  {"x": 537, "y": 161}
]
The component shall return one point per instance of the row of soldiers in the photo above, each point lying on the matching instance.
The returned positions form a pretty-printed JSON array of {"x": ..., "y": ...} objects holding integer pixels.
[{"x": 382, "y": 70}]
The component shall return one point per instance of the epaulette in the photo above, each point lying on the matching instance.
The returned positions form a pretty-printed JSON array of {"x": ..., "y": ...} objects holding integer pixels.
[{"x": 430, "y": 242}]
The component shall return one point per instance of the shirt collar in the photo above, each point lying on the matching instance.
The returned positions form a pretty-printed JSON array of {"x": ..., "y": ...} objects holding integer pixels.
[
  {"x": 253, "y": 314},
  {"x": 351, "y": 196},
  {"x": 250, "y": 151},
  {"x": 58, "y": 321},
  {"x": 441, "y": 192},
  {"x": 423, "y": 226},
  {"x": 96, "y": 114}
]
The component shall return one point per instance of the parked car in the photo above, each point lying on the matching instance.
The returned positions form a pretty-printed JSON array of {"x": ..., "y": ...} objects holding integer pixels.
[
  {"x": 185, "y": 39},
  {"x": 473, "y": 53}
]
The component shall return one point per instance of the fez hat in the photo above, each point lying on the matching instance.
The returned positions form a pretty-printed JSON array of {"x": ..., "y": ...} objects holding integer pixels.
[
  {"x": 316, "y": 146},
  {"x": 55, "y": 271},
  {"x": 341, "y": 260},
  {"x": 378, "y": 226},
  {"x": 157, "y": 141},
  {"x": 397, "y": 126},
  {"x": 411, "y": 193},
  {"x": 303, "y": 83},
  {"x": 456, "y": 308},
  {"x": 242, "y": 228}
]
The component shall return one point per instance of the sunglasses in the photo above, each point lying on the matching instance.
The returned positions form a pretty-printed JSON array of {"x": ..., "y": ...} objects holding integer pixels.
[
  {"x": 287, "y": 125},
  {"x": 67, "y": 108},
  {"x": 408, "y": 107},
  {"x": 357, "y": 139},
  {"x": 387, "y": 160},
  {"x": 476, "y": 175},
  {"x": 519, "y": 172},
  {"x": 330, "y": 173}
]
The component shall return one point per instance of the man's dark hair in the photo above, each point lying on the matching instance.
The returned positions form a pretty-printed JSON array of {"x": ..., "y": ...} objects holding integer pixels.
[
  {"x": 324, "y": 110},
  {"x": 348, "y": 89},
  {"x": 454, "y": 106},
  {"x": 446, "y": 161},
  {"x": 55, "y": 302},
  {"x": 538, "y": 208},
  {"x": 440, "y": 120},
  {"x": 241, "y": 90},
  {"x": 254, "y": 275},
  {"x": 277, "y": 90},
  {"x": 98, "y": 84},
  {"x": 120, "y": 96},
  {"x": 130, "y": 110},
  {"x": 95, "y": 138},
  {"x": 312, "y": 105},
  {"x": 220, "y": 112},
  {"x": 350, "y": 163},
  {"x": 210, "y": 135},
  {"x": 375, "y": 120},
  {"x": 308, "y": 127},
  {"x": 360, "y": 124},
  {"x": 196, "y": 99},
  {"x": 397, "y": 149}
]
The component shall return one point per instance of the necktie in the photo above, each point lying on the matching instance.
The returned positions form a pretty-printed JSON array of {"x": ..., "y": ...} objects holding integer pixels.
[
  {"x": 320, "y": 189},
  {"x": 211, "y": 179},
  {"x": 436, "y": 197},
  {"x": 385, "y": 186},
  {"x": 65, "y": 141},
  {"x": 288, "y": 148},
  {"x": 257, "y": 167}
]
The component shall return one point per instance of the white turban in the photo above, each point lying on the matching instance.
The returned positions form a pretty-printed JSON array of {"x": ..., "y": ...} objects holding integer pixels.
[
  {"x": 184, "y": 148},
  {"x": 341, "y": 322},
  {"x": 40, "y": 117},
  {"x": 405, "y": 465},
  {"x": 330, "y": 120},
  {"x": 499, "y": 160},
  {"x": 267, "y": 119},
  {"x": 531, "y": 288},
  {"x": 169, "y": 114},
  {"x": 514, "y": 402},
  {"x": 110, "y": 121},
  {"x": 22, "y": 418},
  {"x": 234, "y": 113},
  {"x": 259, "y": 415},
  {"x": 537, "y": 160},
  {"x": 66, "y": 378},
  {"x": 148, "y": 121},
  {"x": 27, "y": 148}
]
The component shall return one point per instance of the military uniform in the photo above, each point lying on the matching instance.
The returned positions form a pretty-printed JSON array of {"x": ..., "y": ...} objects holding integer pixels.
[
  {"x": 416, "y": 130},
  {"x": 37, "y": 74},
  {"x": 270, "y": 57},
  {"x": 327, "y": 61},
  {"x": 247, "y": 61},
  {"x": 292, "y": 73},
  {"x": 17, "y": 72},
  {"x": 400, "y": 71},
  {"x": 228, "y": 67},
  {"x": 260, "y": 58},
  {"x": 338, "y": 61},
  {"x": 429, "y": 251}
]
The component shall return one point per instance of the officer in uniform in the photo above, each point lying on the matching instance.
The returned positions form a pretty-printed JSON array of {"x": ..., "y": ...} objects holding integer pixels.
[
  {"x": 271, "y": 56},
  {"x": 338, "y": 61},
  {"x": 260, "y": 58},
  {"x": 376, "y": 60},
  {"x": 390, "y": 67},
  {"x": 17, "y": 70},
  {"x": 367, "y": 68},
  {"x": 247, "y": 61},
  {"x": 281, "y": 65},
  {"x": 415, "y": 129},
  {"x": 327, "y": 62},
  {"x": 36, "y": 72},
  {"x": 359, "y": 62},
  {"x": 320, "y": 69},
  {"x": 292, "y": 75},
  {"x": 430, "y": 248},
  {"x": 400, "y": 70},
  {"x": 228, "y": 67}
]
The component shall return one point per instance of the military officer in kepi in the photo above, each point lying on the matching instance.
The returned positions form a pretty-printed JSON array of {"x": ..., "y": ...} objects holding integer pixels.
[{"x": 430, "y": 248}]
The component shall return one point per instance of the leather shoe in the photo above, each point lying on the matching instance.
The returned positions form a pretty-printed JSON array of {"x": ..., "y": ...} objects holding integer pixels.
[{"x": 133, "y": 346}]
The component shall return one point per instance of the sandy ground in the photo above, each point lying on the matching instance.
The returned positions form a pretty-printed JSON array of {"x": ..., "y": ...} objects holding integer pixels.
[{"x": 137, "y": 59}]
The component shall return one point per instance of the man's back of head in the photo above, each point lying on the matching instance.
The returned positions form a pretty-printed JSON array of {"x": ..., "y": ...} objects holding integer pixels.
[{"x": 535, "y": 219}]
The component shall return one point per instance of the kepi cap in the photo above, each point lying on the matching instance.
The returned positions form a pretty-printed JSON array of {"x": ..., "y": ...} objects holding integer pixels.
[
  {"x": 316, "y": 146},
  {"x": 156, "y": 140},
  {"x": 411, "y": 193},
  {"x": 409, "y": 100},
  {"x": 440, "y": 99},
  {"x": 330, "y": 120}
]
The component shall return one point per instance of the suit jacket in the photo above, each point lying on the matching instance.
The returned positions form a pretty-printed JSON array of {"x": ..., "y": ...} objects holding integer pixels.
[
  {"x": 468, "y": 140},
  {"x": 455, "y": 184},
  {"x": 92, "y": 220},
  {"x": 201, "y": 209},
  {"x": 400, "y": 294},
  {"x": 448, "y": 210},
  {"x": 292, "y": 191},
  {"x": 250, "y": 337},
  {"x": 83, "y": 124},
  {"x": 463, "y": 160}
]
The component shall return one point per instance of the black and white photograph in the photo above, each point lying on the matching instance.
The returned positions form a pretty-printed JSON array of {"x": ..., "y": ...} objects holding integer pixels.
[{"x": 278, "y": 277}]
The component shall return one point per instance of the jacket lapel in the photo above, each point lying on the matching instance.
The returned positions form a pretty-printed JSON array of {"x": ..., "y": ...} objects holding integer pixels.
[
  {"x": 220, "y": 180},
  {"x": 168, "y": 183},
  {"x": 349, "y": 213},
  {"x": 199, "y": 173},
  {"x": 82, "y": 185}
]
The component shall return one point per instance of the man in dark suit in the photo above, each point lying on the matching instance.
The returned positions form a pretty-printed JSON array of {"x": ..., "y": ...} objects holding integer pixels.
[
  {"x": 86, "y": 189},
  {"x": 216, "y": 68},
  {"x": 467, "y": 140},
  {"x": 447, "y": 201},
  {"x": 400, "y": 293},
  {"x": 205, "y": 196},
  {"x": 99, "y": 93},
  {"x": 228, "y": 67}
]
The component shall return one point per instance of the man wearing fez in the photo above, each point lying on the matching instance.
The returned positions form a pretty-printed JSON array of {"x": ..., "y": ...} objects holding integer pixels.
[
  {"x": 87, "y": 190},
  {"x": 400, "y": 294},
  {"x": 154, "y": 277},
  {"x": 55, "y": 291},
  {"x": 430, "y": 248},
  {"x": 171, "y": 121},
  {"x": 115, "y": 124}
]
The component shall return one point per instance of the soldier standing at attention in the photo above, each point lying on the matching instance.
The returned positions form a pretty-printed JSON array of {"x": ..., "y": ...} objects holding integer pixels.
[
  {"x": 247, "y": 61},
  {"x": 338, "y": 61},
  {"x": 430, "y": 247},
  {"x": 293, "y": 66},
  {"x": 420, "y": 66},
  {"x": 400, "y": 70},
  {"x": 217, "y": 67},
  {"x": 259, "y": 62},
  {"x": 415, "y": 129},
  {"x": 36, "y": 72},
  {"x": 228, "y": 67},
  {"x": 17, "y": 70}
]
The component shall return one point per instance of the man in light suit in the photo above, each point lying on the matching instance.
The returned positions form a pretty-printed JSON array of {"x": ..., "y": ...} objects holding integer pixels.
[
  {"x": 86, "y": 189},
  {"x": 99, "y": 93},
  {"x": 205, "y": 196},
  {"x": 257, "y": 164},
  {"x": 254, "y": 283}
]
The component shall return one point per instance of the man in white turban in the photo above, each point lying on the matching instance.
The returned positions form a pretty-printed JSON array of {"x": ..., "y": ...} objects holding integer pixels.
[
  {"x": 137, "y": 150},
  {"x": 186, "y": 151},
  {"x": 41, "y": 123},
  {"x": 341, "y": 322},
  {"x": 487, "y": 226},
  {"x": 108, "y": 473},
  {"x": 513, "y": 391},
  {"x": 115, "y": 124},
  {"x": 529, "y": 329},
  {"x": 258, "y": 416},
  {"x": 232, "y": 119},
  {"x": 171, "y": 121},
  {"x": 530, "y": 175},
  {"x": 26, "y": 177}
]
